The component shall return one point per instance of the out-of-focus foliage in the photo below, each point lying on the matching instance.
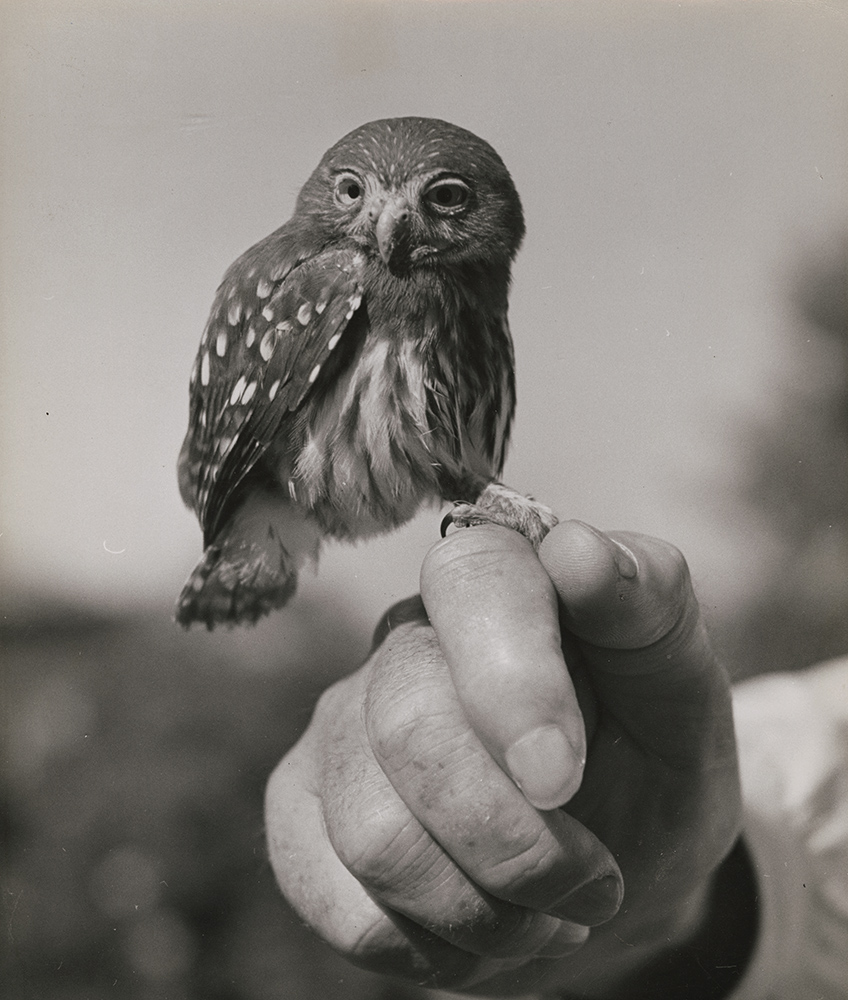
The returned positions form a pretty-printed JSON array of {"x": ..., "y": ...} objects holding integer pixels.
[
  {"x": 134, "y": 764},
  {"x": 797, "y": 484}
]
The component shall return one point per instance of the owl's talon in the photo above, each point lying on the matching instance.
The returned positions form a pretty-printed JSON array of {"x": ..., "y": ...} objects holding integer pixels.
[
  {"x": 469, "y": 515},
  {"x": 500, "y": 505}
]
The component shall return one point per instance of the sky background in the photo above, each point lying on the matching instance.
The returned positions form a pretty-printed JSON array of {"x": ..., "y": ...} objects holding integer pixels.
[{"x": 680, "y": 165}]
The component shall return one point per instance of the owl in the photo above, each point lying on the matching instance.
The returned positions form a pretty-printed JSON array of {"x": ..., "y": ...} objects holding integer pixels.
[{"x": 357, "y": 364}]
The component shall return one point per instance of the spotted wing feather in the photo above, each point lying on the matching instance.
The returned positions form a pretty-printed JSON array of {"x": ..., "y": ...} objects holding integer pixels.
[{"x": 261, "y": 354}]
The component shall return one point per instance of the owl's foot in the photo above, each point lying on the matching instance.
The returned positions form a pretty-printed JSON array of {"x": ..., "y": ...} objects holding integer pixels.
[{"x": 498, "y": 504}]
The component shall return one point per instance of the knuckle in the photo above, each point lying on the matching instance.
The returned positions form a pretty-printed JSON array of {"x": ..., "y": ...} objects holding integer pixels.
[
  {"x": 526, "y": 855},
  {"x": 410, "y": 734},
  {"x": 388, "y": 852},
  {"x": 399, "y": 696},
  {"x": 390, "y": 718},
  {"x": 405, "y": 649}
]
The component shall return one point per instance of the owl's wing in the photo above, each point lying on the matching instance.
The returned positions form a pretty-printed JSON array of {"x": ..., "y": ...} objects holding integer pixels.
[{"x": 267, "y": 337}]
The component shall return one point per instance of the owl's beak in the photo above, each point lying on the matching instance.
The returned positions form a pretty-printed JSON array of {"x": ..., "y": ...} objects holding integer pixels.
[{"x": 392, "y": 226}]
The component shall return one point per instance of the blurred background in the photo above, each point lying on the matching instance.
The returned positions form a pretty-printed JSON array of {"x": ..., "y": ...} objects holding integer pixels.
[{"x": 680, "y": 317}]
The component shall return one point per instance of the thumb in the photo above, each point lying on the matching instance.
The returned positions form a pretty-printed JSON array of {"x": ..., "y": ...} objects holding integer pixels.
[{"x": 628, "y": 600}]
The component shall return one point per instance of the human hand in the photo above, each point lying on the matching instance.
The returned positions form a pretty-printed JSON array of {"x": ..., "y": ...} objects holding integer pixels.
[{"x": 396, "y": 832}]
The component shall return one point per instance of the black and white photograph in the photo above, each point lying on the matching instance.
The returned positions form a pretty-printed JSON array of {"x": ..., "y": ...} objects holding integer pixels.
[{"x": 424, "y": 499}]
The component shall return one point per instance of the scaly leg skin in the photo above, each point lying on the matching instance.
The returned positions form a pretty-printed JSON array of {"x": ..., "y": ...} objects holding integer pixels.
[{"x": 498, "y": 504}]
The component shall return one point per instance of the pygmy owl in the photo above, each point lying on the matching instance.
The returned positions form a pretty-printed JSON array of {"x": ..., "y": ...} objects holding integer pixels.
[{"x": 357, "y": 363}]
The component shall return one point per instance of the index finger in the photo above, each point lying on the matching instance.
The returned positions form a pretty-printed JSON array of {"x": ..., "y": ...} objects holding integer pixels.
[{"x": 494, "y": 610}]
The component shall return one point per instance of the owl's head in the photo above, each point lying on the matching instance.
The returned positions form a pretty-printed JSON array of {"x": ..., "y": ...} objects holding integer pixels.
[{"x": 417, "y": 192}]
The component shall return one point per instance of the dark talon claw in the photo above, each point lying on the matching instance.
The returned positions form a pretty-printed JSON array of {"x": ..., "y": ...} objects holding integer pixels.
[{"x": 448, "y": 520}]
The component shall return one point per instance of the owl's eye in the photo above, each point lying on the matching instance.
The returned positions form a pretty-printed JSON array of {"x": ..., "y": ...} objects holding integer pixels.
[
  {"x": 447, "y": 195},
  {"x": 349, "y": 190}
]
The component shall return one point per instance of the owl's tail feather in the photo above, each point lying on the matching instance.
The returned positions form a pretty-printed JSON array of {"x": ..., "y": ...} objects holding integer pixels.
[{"x": 251, "y": 566}]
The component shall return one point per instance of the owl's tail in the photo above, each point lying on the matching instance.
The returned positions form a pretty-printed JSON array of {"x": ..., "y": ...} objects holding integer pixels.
[{"x": 251, "y": 566}]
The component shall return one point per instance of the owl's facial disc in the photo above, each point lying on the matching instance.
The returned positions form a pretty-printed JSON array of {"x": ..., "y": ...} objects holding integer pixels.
[{"x": 406, "y": 220}]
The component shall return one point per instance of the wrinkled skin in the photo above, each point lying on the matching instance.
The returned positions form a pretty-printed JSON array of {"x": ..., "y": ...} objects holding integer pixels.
[{"x": 397, "y": 827}]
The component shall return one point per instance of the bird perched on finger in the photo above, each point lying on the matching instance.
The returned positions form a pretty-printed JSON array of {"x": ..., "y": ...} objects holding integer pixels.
[{"x": 357, "y": 363}]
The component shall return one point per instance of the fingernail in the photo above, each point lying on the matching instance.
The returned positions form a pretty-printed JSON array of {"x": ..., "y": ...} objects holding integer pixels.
[
  {"x": 567, "y": 939},
  {"x": 545, "y": 766},
  {"x": 625, "y": 561},
  {"x": 592, "y": 903}
]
